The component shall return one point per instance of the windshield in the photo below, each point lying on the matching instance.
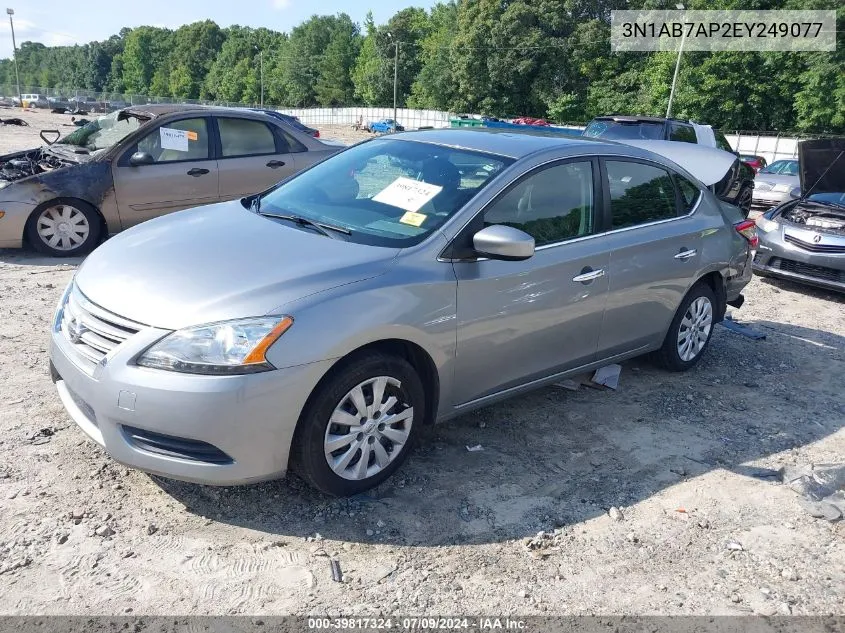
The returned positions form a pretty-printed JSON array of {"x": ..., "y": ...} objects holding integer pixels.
[
  {"x": 829, "y": 198},
  {"x": 103, "y": 133},
  {"x": 785, "y": 167},
  {"x": 386, "y": 192},
  {"x": 625, "y": 130}
]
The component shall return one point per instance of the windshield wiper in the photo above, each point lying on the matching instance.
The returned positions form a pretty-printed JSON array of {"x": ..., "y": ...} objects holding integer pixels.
[{"x": 320, "y": 227}]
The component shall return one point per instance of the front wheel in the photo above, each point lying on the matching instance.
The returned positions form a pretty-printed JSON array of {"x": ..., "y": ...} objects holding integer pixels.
[
  {"x": 64, "y": 228},
  {"x": 360, "y": 425},
  {"x": 690, "y": 331}
]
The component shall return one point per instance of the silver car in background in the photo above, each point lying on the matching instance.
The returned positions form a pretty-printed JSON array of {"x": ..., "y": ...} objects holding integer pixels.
[
  {"x": 404, "y": 281},
  {"x": 139, "y": 163},
  {"x": 803, "y": 240},
  {"x": 774, "y": 185}
]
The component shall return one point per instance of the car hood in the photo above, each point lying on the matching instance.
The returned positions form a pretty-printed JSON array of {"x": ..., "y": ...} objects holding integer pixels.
[
  {"x": 815, "y": 158},
  {"x": 776, "y": 179},
  {"x": 216, "y": 263}
]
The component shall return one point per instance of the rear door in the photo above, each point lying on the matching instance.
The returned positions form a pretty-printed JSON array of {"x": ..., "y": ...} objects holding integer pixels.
[
  {"x": 183, "y": 173},
  {"x": 655, "y": 245},
  {"x": 253, "y": 155},
  {"x": 523, "y": 320}
]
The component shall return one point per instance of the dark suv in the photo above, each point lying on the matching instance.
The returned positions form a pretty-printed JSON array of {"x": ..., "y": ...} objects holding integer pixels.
[{"x": 736, "y": 187}]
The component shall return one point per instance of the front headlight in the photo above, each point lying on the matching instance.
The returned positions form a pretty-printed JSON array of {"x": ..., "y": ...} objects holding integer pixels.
[
  {"x": 58, "y": 315},
  {"x": 783, "y": 187},
  {"x": 765, "y": 225},
  {"x": 218, "y": 349}
]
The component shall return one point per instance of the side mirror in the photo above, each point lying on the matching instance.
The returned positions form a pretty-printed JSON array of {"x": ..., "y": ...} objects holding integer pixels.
[
  {"x": 141, "y": 158},
  {"x": 503, "y": 242}
]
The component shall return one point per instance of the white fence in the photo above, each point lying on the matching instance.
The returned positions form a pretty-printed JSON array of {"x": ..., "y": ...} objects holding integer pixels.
[
  {"x": 770, "y": 147},
  {"x": 411, "y": 119}
]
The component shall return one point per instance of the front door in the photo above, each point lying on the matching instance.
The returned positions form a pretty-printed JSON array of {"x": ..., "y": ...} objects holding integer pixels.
[
  {"x": 183, "y": 173},
  {"x": 518, "y": 321},
  {"x": 655, "y": 246},
  {"x": 252, "y": 157}
]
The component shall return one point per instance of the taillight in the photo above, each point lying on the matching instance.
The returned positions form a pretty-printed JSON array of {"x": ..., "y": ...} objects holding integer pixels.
[
  {"x": 748, "y": 230},
  {"x": 316, "y": 133}
]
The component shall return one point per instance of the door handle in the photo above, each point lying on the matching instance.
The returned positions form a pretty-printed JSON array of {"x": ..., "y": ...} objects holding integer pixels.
[
  {"x": 589, "y": 275},
  {"x": 196, "y": 172},
  {"x": 684, "y": 255},
  {"x": 275, "y": 164}
]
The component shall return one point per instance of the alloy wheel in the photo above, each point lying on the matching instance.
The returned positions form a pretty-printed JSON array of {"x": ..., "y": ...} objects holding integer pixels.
[
  {"x": 368, "y": 428},
  {"x": 694, "y": 329},
  {"x": 63, "y": 227}
]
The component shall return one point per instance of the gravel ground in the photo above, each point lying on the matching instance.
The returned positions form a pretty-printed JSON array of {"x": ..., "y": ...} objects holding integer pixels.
[{"x": 635, "y": 501}]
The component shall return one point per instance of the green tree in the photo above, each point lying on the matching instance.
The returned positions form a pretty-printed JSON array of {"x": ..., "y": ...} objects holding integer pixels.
[
  {"x": 334, "y": 82},
  {"x": 435, "y": 85},
  {"x": 195, "y": 46}
]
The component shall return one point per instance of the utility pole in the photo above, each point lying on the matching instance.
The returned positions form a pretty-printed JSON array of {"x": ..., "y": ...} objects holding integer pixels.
[
  {"x": 395, "y": 84},
  {"x": 11, "y": 12},
  {"x": 261, "y": 60},
  {"x": 680, "y": 7}
]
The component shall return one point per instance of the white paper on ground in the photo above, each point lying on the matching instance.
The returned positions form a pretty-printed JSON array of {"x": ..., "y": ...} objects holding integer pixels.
[
  {"x": 174, "y": 139},
  {"x": 407, "y": 194},
  {"x": 608, "y": 376}
]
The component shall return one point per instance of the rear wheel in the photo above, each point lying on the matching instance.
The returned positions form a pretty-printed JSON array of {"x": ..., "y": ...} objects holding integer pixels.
[
  {"x": 360, "y": 425},
  {"x": 64, "y": 228},
  {"x": 743, "y": 200},
  {"x": 690, "y": 331}
]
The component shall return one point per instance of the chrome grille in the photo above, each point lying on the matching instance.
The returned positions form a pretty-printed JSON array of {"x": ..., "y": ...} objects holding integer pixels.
[
  {"x": 92, "y": 331},
  {"x": 813, "y": 247}
]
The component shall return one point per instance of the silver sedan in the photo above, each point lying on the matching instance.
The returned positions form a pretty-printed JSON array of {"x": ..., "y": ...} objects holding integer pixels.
[{"x": 402, "y": 282}]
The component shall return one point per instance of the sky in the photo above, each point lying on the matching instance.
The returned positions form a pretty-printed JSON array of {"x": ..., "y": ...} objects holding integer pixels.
[{"x": 60, "y": 22}]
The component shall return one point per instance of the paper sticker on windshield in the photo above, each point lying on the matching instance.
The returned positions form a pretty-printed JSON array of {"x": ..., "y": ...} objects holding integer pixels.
[
  {"x": 412, "y": 218},
  {"x": 192, "y": 136},
  {"x": 407, "y": 194},
  {"x": 174, "y": 139}
]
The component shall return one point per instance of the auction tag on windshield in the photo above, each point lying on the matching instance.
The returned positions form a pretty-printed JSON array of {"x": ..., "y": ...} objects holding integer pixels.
[
  {"x": 407, "y": 194},
  {"x": 174, "y": 139},
  {"x": 413, "y": 218},
  {"x": 192, "y": 136}
]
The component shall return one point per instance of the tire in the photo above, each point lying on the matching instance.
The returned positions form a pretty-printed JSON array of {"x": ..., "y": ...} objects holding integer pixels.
[
  {"x": 743, "y": 199},
  {"x": 330, "y": 411},
  {"x": 679, "y": 352},
  {"x": 81, "y": 228}
]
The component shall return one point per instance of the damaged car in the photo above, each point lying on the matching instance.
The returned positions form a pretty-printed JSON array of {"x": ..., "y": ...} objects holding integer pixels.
[
  {"x": 803, "y": 240},
  {"x": 139, "y": 163}
]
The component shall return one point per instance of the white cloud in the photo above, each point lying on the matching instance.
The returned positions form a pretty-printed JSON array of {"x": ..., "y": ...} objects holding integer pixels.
[{"x": 281, "y": 4}]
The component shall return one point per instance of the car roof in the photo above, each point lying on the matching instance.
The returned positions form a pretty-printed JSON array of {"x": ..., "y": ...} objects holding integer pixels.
[
  {"x": 161, "y": 109},
  {"x": 636, "y": 118},
  {"x": 504, "y": 142}
]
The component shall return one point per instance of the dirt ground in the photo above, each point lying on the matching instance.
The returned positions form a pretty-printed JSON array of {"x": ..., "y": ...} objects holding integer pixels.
[{"x": 645, "y": 496}]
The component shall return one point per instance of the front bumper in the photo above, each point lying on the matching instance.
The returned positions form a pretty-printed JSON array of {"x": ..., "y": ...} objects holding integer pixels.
[
  {"x": 13, "y": 222},
  {"x": 777, "y": 258},
  {"x": 218, "y": 430},
  {"x": 762, "y": 201}
]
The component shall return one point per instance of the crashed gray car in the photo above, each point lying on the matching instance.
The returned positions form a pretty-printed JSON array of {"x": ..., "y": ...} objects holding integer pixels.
[
  {"x": 803, "y": 240},
  {"x": 406, "y": 280},
  {"x": 139, "y": 163}
]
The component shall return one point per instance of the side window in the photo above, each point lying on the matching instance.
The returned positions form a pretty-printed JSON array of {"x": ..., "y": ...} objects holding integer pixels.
[
  {"x": 681, "y": 132},
  {"x": 244, "y": 137},
  {"x": 289, "y": 143},
  {"x": 689, "y": 192},
  {"x": 551, "y": 205},
  {"x": 722, "y": 142},
  {"x": 639, "y": 193},
  {"x": 178, "y": 140}
]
